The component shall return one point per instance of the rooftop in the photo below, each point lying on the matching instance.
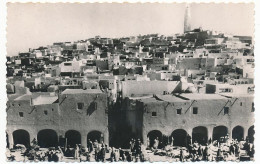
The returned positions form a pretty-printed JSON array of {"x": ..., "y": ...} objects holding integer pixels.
[
  {"x": 80, "y": 91},
  {"x": 170, "y": 98},
  {"x": 230, "y": 95},
  {"x": 24, "y": 97},
  {"x": 201, "y": 96},
  {"x": 149, "y": 100},
  {"x": 40, "y": 100}
]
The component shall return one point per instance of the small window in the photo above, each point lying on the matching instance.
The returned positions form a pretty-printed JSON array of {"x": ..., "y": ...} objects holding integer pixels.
[
  {"x": 195, "y": 110},
  {"x": 154, "y": 114},
  {"x": 179, "y": 111},
  {"x": 45, "y": 112},
  {"x": 253, "y": 107},
  {"x": 52, "y": 109},
  {"x": 67, "y": 64},
  {"x": 226, "y": 110},
  {"x": 241, "y": 104},
  {"x": 80, "y": 106},
  {"x": 21, "y": 114},
  {"x": 19, "y": 104}
]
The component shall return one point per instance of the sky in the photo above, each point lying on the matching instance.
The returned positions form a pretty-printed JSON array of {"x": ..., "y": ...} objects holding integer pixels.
[{"x": 30, "y": 25}]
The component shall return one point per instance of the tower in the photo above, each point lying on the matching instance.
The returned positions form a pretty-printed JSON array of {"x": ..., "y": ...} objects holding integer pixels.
[{"x": 187, "y": 17}]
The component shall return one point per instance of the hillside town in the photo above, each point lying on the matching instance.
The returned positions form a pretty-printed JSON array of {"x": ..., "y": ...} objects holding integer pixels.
[{"x": 184, "y": 97}]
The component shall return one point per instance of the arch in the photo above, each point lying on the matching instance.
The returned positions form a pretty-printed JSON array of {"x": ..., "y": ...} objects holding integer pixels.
[
  {"x": 238, "y": 133},
  {"x": 251, "y": 133},
  {"x": 238, "y": 82},
  {"x": 152, "y": 135},
  {"x": 242, "y": 82},
  {"x": 179, "y": 137},
  {"x": 95, "y": 135},
  {"x": 21, "y": 136},
  {"x": 219, "y": 132},
  {"x": 73, "y": 137},
  {"x": 200, "y": 135},
  {"x": 47, "y": 138}
]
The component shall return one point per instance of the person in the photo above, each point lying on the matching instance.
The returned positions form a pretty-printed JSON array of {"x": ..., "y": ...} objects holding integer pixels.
[
  {"x": 76, "y": 153},
  {"x": 181, "y": 156},
  {"x": 95, "y": 144},
  {"x": 210, "y": 140},
  {"x": 206, "y": 153},
  {"x": 200, "y": 151},
  {"x": 121, "y": 152},
  {"x": 219, "y": 155},
  {"x": 55, "y": 157},
  {"x": 113, "y": 154},
  {"x": 132, "y": 144},
  {"x": 231, "y": 149},
  {"x": 34, "y": 142},
  {"x": 129, "y": 157},
  {"x": 123, "y": 157},
  {"x": 172, "y": 144},
  {"x": 88, "y": 156},
  {"x": 237, "y": 149},
  {"x": 96, "y": 153},
  {"x": 138, "y": 149},
  {"x": 90, "y": 146},
  {"x": 103, "y": 153},
  {"x": 156, "y": 143}
]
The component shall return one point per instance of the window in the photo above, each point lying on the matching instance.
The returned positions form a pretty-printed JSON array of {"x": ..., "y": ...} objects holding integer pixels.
[
  {"x": 178, "y": 111},
  {"x": 241, "y": 103},
  {"x": 226, "y": 110},
  {"x": 21, "y": 114},
  {"x": 45, "y": 112},
  {"x": 67, "y": 64},
  {"x": 80, "y": 106},
  {"x": 19, "y": 104},
  {"x": 52, "y": 109},
  {"x": 253, "y": 107},
  {"x": 154, "y": 114},
  {"x": 195, "y": 110}
]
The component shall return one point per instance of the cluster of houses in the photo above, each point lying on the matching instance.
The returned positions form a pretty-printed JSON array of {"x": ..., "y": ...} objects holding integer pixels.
[{"x": 199, "y": 84}]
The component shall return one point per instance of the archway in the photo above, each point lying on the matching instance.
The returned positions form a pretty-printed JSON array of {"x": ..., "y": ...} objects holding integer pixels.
[
  {"x": 238, "y": 133},
  {"x": 47, "y": 138},
  {"x": 152, "y": 135},
  {"x": 95, "y": 135},
  {"x": 21, "y": 137},
  {"x": 200, "y": 135},
  {"x": 251, "y": 133},
  {"x": 73, "y": 137},
  {"x": 219, "y": 132},
  {"x": 179, "y": 137}
]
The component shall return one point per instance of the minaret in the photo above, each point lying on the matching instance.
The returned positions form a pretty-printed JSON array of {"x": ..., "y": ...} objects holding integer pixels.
[{"x": 187, "y": 17}]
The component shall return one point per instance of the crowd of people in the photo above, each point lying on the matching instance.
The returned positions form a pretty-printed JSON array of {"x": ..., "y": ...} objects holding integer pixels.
[{"x": 221, "y": 150}]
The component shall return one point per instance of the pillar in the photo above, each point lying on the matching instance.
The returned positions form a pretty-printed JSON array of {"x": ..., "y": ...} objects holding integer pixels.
[
  {"x": 230, "y": 133},
  {"x": 11, "y": 140},
  {"x": 189, "y": 132},
  {"x": 33, "y": 135},
  {"x": 106, "y": 137},
  {"x": 144, "y": 136},
  {"x": 84, "y": 137},
  {"x": 210, "y": 133},
  {"x": 245, "y": 133}
]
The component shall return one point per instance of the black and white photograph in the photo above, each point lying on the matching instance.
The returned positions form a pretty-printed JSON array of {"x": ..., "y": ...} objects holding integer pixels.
[{"x": 130, "y": 82}]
